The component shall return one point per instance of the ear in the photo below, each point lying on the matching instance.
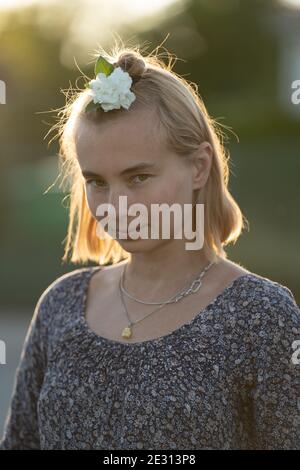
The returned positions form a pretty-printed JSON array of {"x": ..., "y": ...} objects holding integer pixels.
[{"x": 202, "y": 162}]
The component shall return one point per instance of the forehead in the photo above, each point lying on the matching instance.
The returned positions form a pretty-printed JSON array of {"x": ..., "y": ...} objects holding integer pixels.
[{"x": 120, "y": 141}]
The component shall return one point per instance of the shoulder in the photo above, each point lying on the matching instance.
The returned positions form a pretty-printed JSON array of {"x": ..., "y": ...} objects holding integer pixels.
[
  {"x": 266, "y": 291},
  {"x": 268, "y": 307},
  {"x": 69, "y": 288},
  {"x": 67, "y": 282},
  {"x": 250, "y": 287},
  {"x": 62, "y": 291}
]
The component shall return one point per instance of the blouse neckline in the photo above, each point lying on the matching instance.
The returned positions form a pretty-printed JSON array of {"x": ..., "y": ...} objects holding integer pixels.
[{"x": 154, "y": 341}]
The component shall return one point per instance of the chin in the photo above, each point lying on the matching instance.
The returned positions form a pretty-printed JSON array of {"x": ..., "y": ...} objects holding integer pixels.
[{"x": 140, "y": 245}]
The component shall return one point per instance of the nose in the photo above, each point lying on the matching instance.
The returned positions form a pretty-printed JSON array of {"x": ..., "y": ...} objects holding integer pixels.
[{"x": 119, "y": 201}]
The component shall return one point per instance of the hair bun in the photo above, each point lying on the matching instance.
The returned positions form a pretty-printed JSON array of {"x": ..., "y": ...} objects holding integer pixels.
[{"x": 133, "y": 64}]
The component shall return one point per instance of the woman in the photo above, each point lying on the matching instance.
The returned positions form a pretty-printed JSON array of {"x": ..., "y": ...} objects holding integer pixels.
[{"x": 159, "y": 346}]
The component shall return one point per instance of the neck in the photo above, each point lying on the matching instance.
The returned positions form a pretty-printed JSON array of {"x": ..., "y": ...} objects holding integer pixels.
[{"x": 159, "y": 273}]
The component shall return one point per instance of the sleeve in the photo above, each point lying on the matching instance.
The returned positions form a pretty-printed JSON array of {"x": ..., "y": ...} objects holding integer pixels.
[
  {"x": 276, "y": 395},
  {"x": 21, "y": 430}
]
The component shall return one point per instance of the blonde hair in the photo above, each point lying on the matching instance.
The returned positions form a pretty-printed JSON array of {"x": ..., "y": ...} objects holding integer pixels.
[{"x": 186, "y": 124}]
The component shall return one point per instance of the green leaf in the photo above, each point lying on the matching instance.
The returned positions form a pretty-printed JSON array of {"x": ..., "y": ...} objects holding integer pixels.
[
  {"x": 103, "y": 66},
  {"x": 91, "y": 106}
]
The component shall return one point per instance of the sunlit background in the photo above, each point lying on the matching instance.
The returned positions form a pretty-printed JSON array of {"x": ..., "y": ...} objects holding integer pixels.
[{"x": 244, "y": 56}]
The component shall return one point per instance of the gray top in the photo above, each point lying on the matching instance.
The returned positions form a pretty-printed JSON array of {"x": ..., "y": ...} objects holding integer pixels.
[{"x": 226, "y": 380}]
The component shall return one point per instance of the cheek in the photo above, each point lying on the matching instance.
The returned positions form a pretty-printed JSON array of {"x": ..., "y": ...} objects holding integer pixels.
[{"x": 171, "y": 189}]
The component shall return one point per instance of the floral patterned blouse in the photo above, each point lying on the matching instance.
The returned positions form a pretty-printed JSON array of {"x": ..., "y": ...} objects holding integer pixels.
[{"x": 228, "y": 379}]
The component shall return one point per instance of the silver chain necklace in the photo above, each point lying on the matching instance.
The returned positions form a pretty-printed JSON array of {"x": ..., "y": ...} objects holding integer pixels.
[{"x": 193, "y": 287}]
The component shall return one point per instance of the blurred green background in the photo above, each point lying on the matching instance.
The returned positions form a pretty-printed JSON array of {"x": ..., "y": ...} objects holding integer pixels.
[{"x": 243, "y": 55}]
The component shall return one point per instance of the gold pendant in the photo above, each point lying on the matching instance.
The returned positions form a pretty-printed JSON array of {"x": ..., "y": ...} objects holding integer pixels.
[{"x": 126, "y": 333}]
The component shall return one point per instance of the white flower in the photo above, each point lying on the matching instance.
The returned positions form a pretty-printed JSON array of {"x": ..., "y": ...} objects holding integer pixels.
[{"x": 112, "y": 91}]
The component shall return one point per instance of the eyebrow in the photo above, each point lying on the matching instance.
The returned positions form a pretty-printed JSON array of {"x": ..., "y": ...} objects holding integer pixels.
[{"x": 138, "y": 167}]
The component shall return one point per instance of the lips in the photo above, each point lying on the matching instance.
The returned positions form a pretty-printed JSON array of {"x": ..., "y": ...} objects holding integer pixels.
[{"x": 118, "y": 232}]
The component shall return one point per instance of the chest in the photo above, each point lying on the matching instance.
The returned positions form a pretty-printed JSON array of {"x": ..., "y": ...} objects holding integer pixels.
[{"x": 106, "y": 315}]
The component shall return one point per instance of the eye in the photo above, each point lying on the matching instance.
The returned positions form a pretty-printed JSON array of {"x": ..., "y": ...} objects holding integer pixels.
[
  {"x": 95, "y": 183},
  {"x": 144, "y": 176}
]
